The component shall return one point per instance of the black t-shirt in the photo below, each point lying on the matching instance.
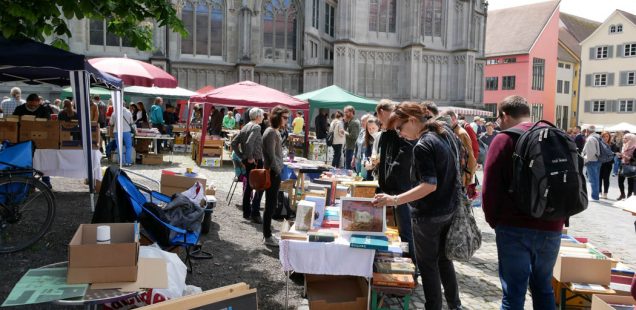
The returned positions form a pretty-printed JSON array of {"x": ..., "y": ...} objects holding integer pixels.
[
  {"x": 321, "y": 126},
  {"x": 394, "y": 168},
  {"x": 433, "y": 163},
  {"x": 40, "y": 112},
  {"x": 485, "y": 138}
]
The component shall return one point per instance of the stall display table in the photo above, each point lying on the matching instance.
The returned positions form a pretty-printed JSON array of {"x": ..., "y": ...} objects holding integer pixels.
[
  {"x": 65, "y": 163},
  {"x": 378, "y": 293},
  {"x": 155, "y": 142}
]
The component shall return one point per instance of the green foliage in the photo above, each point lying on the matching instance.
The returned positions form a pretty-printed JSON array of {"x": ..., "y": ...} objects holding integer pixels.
[{"x": 38, "y": 19}]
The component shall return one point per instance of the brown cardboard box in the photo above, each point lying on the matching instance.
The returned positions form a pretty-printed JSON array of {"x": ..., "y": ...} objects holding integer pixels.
[
  {"x": 45, "y": 134},
  {"x": 89, "y": 262},
  {"x": 9, "y": 130},
  {"x": 212, "y": 152},
  {"x": 582, "y": 270},
  {"x": 210, "y": 190},
  {"x": 604, "y": 302},
  {"x": 336, "y": 292},
  {"x": 177, "y": 183},
  {"x": 152, "y": 159},
  {"x": 71, "y": 135}
]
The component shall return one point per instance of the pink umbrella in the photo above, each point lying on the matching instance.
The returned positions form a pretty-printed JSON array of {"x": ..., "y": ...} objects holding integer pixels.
[{"x": 134, "y": 72}]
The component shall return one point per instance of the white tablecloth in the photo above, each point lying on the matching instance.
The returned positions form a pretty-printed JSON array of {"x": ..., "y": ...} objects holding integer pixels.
[
  {"x": 330, "y": 258},
  {"x": 67, "y": 163}
]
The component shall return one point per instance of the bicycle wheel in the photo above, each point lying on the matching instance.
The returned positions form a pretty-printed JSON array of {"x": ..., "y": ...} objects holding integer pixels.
[{"x": 27, "y": 208}]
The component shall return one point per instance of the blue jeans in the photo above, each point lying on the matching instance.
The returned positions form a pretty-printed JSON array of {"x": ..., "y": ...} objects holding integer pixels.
[
  {"x": 403, "y": 216},
  {"x": 348, "y": 158},
  {"x": 617, "y": 165},
  {"x": 526, "y": 256},
  {"x": 593, "y": 175},
  {"x": 127, "y": 140}
]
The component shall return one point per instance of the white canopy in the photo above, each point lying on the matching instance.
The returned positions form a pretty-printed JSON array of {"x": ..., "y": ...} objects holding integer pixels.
[
  {"x": 622, "y": 127},
  {"x": 172, "y": 93},
  {"x": 466, "y": 111}
]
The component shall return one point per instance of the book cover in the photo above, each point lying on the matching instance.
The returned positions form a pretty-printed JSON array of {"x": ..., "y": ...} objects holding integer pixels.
[
  {"x": 319, "y": 209},
  {"x": 305, "y": 215},
  {"x": 390, "y": 279},
  {"x": 330, "y": 224},
  {"x": 293, "y": 236},
  {"x": 369, "y": 242},
  {"x": 380, "y": 258},
  {"x": 391, "y": 267},
  {"x": 321, "y": 236},
  {"x": 359, "y": 216}
]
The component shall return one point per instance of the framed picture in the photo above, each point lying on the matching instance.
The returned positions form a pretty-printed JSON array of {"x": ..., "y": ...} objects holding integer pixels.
[
  {"x": 319, "y": 210},
  {"x": 305, "y": 215},
  {"x": 359, "y": 216}
]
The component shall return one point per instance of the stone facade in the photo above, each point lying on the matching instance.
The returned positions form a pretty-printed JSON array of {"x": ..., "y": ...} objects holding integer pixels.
[{"x": 411, "y": 49}]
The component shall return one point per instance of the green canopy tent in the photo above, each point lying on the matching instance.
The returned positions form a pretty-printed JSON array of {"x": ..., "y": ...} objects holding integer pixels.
[
  {"x": 103, "y": 93},
  {"x": 334, "y": 97}
]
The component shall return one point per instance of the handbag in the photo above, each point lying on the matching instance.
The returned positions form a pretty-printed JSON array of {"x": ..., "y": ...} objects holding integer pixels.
[
  {"x": 330, "y": 138},
  {"x": 629, "y": 171},
  {"x": 259, "y": 179},
  {"x": 464, "y": 237}
]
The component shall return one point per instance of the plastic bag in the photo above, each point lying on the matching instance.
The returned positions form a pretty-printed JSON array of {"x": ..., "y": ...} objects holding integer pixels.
[{"x": 196, "y": 193}]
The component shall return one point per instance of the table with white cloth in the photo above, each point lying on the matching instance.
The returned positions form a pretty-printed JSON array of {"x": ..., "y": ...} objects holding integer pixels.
[
  {"x": 326, "y": 258},
  {"x": 67, "y": 163}
]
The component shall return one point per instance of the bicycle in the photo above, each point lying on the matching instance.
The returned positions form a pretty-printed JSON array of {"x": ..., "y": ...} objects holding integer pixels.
[{"x": 27, "y": 208}]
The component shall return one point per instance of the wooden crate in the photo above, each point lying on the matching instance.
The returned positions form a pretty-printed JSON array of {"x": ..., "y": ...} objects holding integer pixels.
[
  {"x": 9, "y": 130},
  {"x": 71, "y": 135},
  {"x": 45, "y": 134}
]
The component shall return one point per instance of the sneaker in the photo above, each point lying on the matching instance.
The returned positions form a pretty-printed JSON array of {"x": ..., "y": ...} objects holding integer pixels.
[
  {"x": 604, "y": 196},
  {"x": 621, "y": 197},
  {"x": 257, "y": 219},
  {"x": 271, "y": 241}
]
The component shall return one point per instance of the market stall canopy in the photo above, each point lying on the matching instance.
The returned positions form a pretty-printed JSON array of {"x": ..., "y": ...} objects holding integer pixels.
[
  {"x": 32, "y": 62},
  {"x": 334, "y": 97},
  {"x": 134, "y": 72},
  {"x": 249, "y": 94},
  {"x": 205, "y": 89},
  {"x": 622, "y": 127},
  {"x": 166, "y": 93},
  {"x": 103, "y": 93},
  {"x": 466, "y": 111}
]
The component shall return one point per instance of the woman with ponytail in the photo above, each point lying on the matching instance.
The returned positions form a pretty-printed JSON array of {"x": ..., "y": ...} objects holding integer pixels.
[{"x": 434, "y": 199}]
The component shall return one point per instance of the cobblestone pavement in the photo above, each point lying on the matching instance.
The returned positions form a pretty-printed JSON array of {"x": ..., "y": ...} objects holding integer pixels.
[{"x": 605, "y": 225}]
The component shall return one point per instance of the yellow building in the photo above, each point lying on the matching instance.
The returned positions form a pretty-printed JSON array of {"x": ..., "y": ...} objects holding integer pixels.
[{"x": 608, "y": 72}]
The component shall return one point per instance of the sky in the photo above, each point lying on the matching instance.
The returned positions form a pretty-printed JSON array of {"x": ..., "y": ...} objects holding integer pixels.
[{"x": 597, "y": 10}]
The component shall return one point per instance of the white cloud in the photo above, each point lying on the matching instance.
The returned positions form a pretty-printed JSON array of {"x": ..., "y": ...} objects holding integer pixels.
[{"x": 591, "y": 9}]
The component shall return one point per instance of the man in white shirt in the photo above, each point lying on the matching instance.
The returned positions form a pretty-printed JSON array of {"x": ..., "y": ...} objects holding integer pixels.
[
  {"x": 126, "y": 130},
  {"x": 591, "y": 151},
  {"x": 8, "y": 105}
]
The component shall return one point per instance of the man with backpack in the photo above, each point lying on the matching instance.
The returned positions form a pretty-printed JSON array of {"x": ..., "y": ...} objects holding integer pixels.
[
  {"x": 528, "y": 240},
  {"x": 591, "y": 152}
]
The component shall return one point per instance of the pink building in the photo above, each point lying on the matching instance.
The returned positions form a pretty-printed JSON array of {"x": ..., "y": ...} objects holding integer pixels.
[{"x": 521, "y": 52}]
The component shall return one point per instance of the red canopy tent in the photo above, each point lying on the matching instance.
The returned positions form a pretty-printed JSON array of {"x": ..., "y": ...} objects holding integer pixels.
[
  {"x": 135, "y": 72},
  {"x": 248, "y": 94}
]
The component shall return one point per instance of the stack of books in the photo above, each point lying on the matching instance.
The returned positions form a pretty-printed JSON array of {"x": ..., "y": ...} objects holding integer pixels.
[
  {"x": 331, "y": 218},
  {"x": 392, "y": 271}
]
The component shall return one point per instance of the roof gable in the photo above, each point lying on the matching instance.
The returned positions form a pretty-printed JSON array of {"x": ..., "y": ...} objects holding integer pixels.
[
  {"x": 515, "y": 30},
  {"x": 630, "y": 17},
  {"x": 579, "y": 27}
]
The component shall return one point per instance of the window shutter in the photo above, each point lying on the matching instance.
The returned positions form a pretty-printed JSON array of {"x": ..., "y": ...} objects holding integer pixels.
[
  {"x": 610, "y": 51},
  {"x": 592, "y": 53},
  {"x": 619, "y": 50},
  {"x": 623, "y": 78},
  {"x": 588, "y": 106},
  {"x": 610, "y": 79},
  {"x": 588, "y": 80},
  {"x": 611, "y": 105}
]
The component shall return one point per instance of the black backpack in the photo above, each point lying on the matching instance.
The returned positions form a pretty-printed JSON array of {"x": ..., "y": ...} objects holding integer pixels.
[
  {"x": 547, "y": 176},
  {"x": 605, "y": 154},
  {"x": 283, "y": 209}
]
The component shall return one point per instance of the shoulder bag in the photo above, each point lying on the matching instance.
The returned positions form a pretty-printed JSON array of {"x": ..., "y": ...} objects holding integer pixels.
[{"x": 259, "y": 179}]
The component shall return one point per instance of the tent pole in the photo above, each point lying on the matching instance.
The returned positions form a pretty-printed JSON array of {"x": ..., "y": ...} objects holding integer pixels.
[{"x": 80, "y": 85}]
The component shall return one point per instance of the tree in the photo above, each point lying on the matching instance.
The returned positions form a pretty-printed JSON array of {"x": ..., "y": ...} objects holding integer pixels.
[{"x": 128, "y": 19}]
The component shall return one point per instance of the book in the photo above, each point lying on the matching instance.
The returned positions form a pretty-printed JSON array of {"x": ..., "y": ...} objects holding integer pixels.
[
  {"x": 319, "y": 208},
  {"x": 293, "y": 236},
  {"x": 390, "y": 279},
  {"x": 400, "y": 268},
  {"x": 321, "y": 236},
  {"x": 360, "y": 216},
  {"x": 380, "y": 257},
  {"x": 369, "y": 242},
  {"x": 305, "y": 215},
  {"x": 588, "y": 287},
  {"x": 331, "y": 224}
]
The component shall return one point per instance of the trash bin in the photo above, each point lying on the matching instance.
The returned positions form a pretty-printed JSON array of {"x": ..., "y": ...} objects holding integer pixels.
[{"x": 210, "y": 204}]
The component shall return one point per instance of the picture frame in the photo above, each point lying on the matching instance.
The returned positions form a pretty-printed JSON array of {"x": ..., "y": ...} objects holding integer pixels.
[{"x": 359, "y": 216}]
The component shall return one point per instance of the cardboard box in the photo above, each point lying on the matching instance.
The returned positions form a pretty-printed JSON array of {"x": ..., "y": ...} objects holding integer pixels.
[
  {"x": 89, "y": 262},
  {"x": 142, "y": 146},
  {"x": 45, "y": 134},
  {"x": 605, "y": 302},
  {"x": 336, "y": 292},
  {"x": 71, "y": 135},
  {"x": 582, "y": 270},
  {"x": 211, "y": 162},
  {"x": 9, "y": 130},
  {"x": 172, "y": 183},
  {"x": 210, "y": 190},
  {"x": 152, "y": 159}
]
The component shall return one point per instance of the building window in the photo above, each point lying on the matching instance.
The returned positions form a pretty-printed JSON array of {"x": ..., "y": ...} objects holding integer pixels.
[
  {"x": 508, "y": 82},
  {"x": 98, "y": 32},
  {"x": 619, "y": 28},
  {"x": 598, "y": 106},
  {"x": 631, "y": 78},
  {"x": 431, "y": 18},
  {"x": 536, "y": 112},
  {"x": 492, "y": 61},
  {"x": 560, "y": 65},
  {"x": 313, "y": 52},
  {"x": 492, "y": 83},
  {"x": 559, "y": 87},
  {"x": 382, "y": 15},
  {"x": 568, "y": 66},
  {"x": 566, "y": 87},
  {"x": 328, "y": 54},
  {"x": 562, "y": 117},
  {"x": 280, "y": 30},
  {"x": 538, "y": 73},
  {"x": 626, "y": 106},
  {"x": 600, "y": 79},
  {"x": 510, "y": 60},
  {"x": 330, "y": 18},
  {"x": 601, "y": 52},
  {"x": 204, "y": 23},
  {"x": 315, "y": 13},
  {"x": 612, "y": 29},
  {"x": 630, "y": 50}
]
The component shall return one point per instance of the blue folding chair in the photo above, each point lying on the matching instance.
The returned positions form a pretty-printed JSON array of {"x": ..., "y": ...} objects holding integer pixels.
[{"x": 150, "y": 221}]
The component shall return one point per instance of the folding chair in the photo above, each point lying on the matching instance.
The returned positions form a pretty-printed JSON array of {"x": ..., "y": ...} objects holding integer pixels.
[
  {"x": 239, "y": 177},
  {"x": 187, "y": 239}
]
